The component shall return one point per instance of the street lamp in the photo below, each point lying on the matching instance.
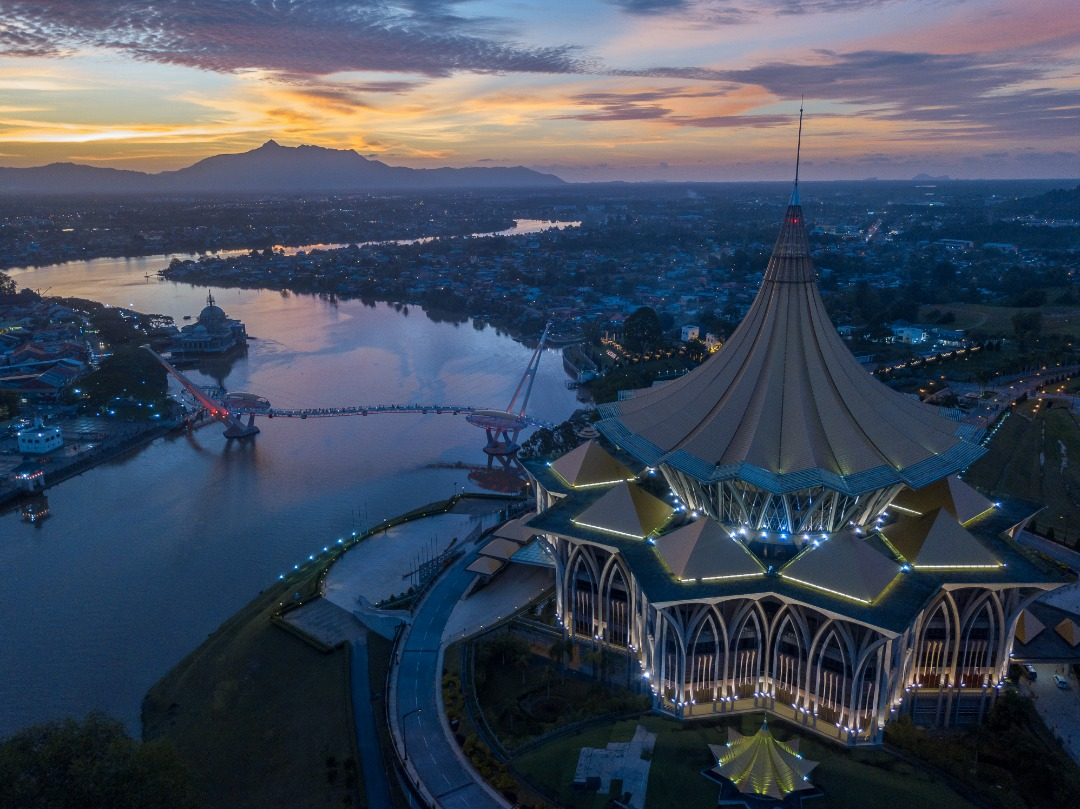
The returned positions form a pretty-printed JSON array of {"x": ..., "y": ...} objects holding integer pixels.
[{"x": 404, "y": 740}]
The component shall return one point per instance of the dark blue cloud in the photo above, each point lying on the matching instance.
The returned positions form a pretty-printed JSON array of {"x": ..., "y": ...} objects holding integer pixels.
[{"x": 297, "y": 37}]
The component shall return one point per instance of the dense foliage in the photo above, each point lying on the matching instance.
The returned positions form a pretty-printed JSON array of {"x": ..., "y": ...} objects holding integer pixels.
[{"x": 88, "y": 764}]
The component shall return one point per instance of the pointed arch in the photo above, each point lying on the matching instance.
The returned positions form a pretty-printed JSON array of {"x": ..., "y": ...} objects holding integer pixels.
[
  {"x": 935, "y": 649},
  {"x": 832, "y": 673},
  {"x": 617, "y": 603},
  {"x": 747, "y": 641},
  {"x": 788, "y": 656},
  {"x": 582, "y": 591}
]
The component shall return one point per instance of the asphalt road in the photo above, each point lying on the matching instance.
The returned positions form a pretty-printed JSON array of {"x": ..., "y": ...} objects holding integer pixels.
[{"x": 427, "y": 748}]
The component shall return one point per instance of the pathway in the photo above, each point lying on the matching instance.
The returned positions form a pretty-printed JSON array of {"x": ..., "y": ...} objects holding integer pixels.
[{"x": 432, "y": 759}]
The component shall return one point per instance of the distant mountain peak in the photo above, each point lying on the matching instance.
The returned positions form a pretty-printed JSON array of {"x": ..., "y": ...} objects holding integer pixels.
[{"x": 268, "y": 168}]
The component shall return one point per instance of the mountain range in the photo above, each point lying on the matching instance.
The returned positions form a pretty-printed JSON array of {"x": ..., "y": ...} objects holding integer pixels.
[{"x": 271, "y": 168}]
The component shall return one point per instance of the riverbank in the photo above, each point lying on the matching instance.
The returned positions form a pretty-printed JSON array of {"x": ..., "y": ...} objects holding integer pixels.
[
  {"x": 265, "y": 717},
  {"x": 79, "y": 455}
]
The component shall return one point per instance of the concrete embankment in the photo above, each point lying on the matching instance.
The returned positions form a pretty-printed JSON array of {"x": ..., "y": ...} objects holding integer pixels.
[{"x": 57, "y": 471}]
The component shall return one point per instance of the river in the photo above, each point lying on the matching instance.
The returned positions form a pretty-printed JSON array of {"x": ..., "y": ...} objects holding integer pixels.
[{"x": 141, "y": 558}]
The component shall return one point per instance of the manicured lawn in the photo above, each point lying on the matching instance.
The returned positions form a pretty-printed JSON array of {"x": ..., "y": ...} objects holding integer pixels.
[
  {"x": 260, "y": 716},
  {"x": 851, "y": 779}
]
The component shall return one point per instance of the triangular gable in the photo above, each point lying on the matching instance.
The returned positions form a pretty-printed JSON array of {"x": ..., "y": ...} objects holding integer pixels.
[
  {"x": 590, "y": 465},
  {"x": 949, "y": 493},
  {"x": 937, "y": 540},
  {"x": 703, "y": 549},
  {"x": 1069, "y": 631},
  {"x": 626, "y": 510},
  {"x": 845, "y": 565},
  {"x": 1028, "y": 627}
]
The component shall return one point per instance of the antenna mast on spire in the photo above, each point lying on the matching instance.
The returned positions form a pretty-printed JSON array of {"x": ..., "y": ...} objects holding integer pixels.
[{"x": 798, "y": 155}]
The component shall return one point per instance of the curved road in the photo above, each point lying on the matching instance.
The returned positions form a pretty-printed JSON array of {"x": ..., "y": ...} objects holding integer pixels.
[{"x": 430, "y": 755}]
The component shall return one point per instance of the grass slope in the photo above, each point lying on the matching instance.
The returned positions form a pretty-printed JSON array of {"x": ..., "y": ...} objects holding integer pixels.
[
  {"x": 261, "y": 717},
  {"x": 1012, "y": 467}
]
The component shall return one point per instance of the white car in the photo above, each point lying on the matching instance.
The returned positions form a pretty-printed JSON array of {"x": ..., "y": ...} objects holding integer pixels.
[{"x": 1061, "y": 682}]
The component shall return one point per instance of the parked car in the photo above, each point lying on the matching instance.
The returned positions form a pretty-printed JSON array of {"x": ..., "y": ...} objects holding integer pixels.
[
  {"x": 1061, "y": 681},
  {"x": 1030, "y": 671}
]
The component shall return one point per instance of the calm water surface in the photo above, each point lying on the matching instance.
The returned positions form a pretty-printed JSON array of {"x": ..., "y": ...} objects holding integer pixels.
[{"x": 143, "y": 557}]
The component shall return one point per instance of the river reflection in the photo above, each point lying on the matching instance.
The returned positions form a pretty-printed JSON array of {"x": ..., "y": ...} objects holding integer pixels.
[{"x": 142, "y": 557}]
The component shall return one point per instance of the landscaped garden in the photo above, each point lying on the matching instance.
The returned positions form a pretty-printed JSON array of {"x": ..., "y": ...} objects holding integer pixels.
[{"x": 859, "y": 779}]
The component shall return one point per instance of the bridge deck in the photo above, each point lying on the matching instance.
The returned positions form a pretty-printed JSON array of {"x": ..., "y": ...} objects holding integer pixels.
[{"x": 366, "y": 410}]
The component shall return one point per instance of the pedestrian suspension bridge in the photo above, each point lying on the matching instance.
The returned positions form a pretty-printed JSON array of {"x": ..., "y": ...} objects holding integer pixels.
[{"x": 237, "y": 411}]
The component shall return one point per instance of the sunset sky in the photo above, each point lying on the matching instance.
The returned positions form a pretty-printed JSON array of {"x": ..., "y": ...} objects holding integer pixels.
[{"x": 586, "y": 89}]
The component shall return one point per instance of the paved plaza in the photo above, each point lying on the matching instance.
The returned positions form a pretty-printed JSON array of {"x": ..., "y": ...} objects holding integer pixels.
[
  {"x": 1059, "y": 707},
  {"x": 380, "y": 566},
  {"x": 628, "y": 761}
]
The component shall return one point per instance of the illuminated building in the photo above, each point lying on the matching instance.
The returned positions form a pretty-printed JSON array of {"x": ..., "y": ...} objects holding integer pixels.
[
  {"x": 213, "y": 333},
  {"x": 795, "y": 539}
]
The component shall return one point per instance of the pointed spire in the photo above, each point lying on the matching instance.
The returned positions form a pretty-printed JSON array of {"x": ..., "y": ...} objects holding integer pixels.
[
  {"x": 798, "y": 154},
  {"x": 790, "y": 261}
]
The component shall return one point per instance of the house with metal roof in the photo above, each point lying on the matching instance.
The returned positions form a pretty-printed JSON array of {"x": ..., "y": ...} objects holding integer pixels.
[{"x": 778, "y": 530}]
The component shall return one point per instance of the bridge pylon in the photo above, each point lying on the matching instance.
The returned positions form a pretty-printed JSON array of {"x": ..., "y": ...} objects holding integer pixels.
[
  {"x": 234, "y": 426},
  {"x": 504, "y": 427}
]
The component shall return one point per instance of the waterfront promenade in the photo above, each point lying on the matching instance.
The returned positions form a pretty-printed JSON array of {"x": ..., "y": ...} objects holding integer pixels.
[
  {"x": 378, "y": 568},
  {"x": 87, "y": 443}
]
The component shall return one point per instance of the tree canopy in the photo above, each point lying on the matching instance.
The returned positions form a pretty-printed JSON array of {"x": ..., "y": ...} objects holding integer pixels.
[
  {"x": 88, "y": 764},
  {"x": 642, "y": 331}
]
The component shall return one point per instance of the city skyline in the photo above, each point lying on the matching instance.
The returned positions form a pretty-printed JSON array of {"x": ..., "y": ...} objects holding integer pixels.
[{"x": 601, "y": 90}]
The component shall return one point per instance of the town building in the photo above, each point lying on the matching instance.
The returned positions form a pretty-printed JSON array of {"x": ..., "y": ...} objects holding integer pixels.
[
  {"x": 39, "y": 439},
  {"x": 777, "y": 530}
]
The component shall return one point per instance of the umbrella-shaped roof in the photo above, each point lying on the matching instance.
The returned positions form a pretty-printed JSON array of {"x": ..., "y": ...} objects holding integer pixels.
[
  {"x": 762, "y": 765},
  {"x": 786, "y": 403}
]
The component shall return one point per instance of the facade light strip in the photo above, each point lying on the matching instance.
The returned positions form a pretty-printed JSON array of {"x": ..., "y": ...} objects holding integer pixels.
[
  {"x": 828, "y": 590},
  {"x": 958, "y": 567},
  {"x": 597, "y": 485},
  {"x": 607, "y": 530},
  {"x": 905, "y": 510},
  {"x": 731, "y": 576},
  {"x": 980, "y": 514}
]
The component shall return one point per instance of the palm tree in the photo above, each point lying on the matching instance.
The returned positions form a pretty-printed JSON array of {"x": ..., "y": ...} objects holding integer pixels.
[{"x": 559, "y": 652}]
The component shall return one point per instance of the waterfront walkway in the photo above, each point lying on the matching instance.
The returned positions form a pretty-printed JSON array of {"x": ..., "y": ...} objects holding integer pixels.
[
  {"x": 433, "y": 761},
  {"x": 378, "y": 568}
]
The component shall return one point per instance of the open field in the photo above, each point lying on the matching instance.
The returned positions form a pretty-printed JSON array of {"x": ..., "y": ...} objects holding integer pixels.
[
  {"x": 1036, "y": 456},
  {"x": 262, "y": 718},
  {"x": 996, "y": 321},
  {"x": 850, "y": 778}
]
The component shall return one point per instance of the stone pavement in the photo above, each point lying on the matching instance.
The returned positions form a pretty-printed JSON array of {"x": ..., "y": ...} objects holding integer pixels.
[
  {"x": 326, "y": 622},
  {"x": 629, "y": 761}
]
